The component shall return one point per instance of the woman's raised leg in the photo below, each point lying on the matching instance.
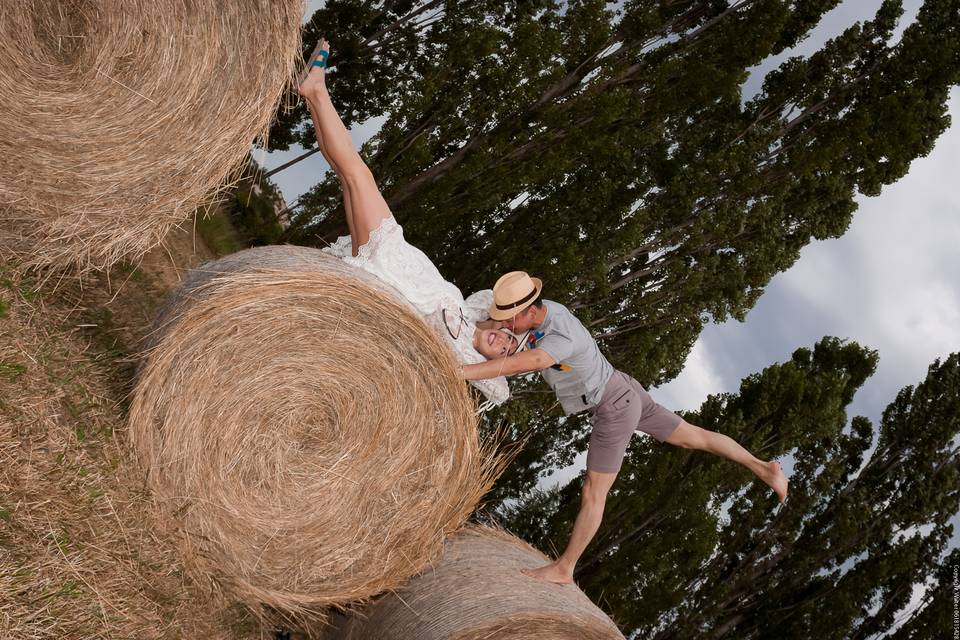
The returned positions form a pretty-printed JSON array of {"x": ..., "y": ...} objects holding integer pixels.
[
  {"x": 366, "y": 208},
  {"x": 347, "y": 205}
]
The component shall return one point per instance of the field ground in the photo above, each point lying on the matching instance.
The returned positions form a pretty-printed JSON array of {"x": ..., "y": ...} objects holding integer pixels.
[{"x": 81, "y": 555}]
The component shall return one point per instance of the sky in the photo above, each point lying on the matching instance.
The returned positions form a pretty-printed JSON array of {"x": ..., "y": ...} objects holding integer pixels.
[{"x": 889, "y": 283}]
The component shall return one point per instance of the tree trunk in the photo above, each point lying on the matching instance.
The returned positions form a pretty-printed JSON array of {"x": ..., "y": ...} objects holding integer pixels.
[
  {"x": 583, "y": 569},
  {"x": 727, "y": 626},
  {"x": 287, "y": 165}
]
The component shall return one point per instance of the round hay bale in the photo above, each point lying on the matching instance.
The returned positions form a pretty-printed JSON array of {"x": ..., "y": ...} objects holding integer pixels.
[
  {"x": 476, "y": 592},
  {"x": 305, "y": 430},
  {"x": 118, "y": 118}
]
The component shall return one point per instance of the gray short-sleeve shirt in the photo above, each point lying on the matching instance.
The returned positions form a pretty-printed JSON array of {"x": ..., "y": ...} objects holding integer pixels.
[{"x": 581, "y": 372}]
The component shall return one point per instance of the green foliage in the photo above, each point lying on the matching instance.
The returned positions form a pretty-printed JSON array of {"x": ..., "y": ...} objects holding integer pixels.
[
  {"x": 662, "y": 516},
  {"x": 218, "y": 232},
  {"x": 838, "y": 560},
  {"x": 935, "y": 613},
  {"x": 254, "y": 216},
  {"x": 11, "y": 370},
  {"x": 375, "y": 48},
  {"x": 549, "y": 440},
  {"x": 608, "y": 149}
]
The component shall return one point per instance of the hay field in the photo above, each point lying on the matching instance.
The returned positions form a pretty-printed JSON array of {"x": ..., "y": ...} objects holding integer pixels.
[{"x": 79, "y": 555}]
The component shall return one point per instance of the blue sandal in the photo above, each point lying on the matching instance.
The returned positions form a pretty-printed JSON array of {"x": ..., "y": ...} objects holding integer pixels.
[{"x": 317, "y": 59}]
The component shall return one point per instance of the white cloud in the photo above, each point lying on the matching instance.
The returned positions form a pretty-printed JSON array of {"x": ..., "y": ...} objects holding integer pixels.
[{"x": 700, "y": 379}]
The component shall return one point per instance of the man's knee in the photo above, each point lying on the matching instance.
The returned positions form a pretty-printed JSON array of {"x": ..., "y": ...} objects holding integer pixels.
[
  {"x": 688, "y": 436},
  {"x": 596, "y": 486}
]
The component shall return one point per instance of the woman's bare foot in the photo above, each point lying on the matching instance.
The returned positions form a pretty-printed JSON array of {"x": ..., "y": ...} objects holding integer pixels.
[
  {"x": 552, "y": 572},
  {"x": 313, "y": 78},
  {"x": 774, "y": 477}
]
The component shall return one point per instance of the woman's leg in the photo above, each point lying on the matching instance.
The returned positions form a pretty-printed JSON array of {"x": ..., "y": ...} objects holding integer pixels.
[
  {"x": 362, "y": 198},
  {"x": 347, "y": 205},
  {"x": 320, "y": 76}
]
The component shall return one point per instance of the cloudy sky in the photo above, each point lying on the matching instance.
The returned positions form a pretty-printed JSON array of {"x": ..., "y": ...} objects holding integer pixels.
[{"x": 889, "y": 283}]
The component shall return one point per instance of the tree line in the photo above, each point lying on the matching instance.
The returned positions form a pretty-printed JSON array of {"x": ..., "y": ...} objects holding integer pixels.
[{"x": 610, "y": 150}]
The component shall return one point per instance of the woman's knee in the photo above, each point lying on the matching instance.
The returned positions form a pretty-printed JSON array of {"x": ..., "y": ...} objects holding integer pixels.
[{"x": 355, "y": 175}]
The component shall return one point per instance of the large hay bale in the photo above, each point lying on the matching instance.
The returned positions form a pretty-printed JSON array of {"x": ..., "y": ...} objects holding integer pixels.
[
  {"x": 476, "y": 592},
  {"x": 305, "y": 430},
  {"x": 118, "y": 118}
]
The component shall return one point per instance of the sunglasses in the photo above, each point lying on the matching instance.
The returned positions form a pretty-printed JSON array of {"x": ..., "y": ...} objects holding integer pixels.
[{"x": 454, "y": 322}]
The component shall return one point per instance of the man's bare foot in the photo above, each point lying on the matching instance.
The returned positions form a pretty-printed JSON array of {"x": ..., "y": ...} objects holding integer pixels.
[
  {"x": 774, "y": 477},
  {"x": 313, "y": 78},
  {"x": 552, "y": 572}
]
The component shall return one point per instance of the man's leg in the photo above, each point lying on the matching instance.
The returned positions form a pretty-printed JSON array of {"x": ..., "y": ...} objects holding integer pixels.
[
  {"x": 690, "y": 436},
  {"x": 614, "y": 419},
  {"x": 593, "y": 498}
]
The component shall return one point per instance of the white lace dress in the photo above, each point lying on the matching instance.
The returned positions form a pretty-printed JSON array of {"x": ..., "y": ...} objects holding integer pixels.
[{"x": 391, "y": 258}]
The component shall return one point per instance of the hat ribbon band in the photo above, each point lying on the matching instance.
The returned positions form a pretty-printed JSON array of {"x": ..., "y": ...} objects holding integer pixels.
[{"x": 526, "y": 298}]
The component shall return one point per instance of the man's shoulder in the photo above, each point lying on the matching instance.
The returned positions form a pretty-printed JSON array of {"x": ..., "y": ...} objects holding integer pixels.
[
  {"x": 560, "y": 312},
  {"x": 553, "y": 306}
]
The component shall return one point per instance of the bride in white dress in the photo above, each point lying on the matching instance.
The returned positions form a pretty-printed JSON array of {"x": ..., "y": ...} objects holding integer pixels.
[{"x": 376, "y": 244}]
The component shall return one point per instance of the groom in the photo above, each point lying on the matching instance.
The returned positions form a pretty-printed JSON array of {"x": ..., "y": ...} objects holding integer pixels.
[{"x": 567, "y": 356}]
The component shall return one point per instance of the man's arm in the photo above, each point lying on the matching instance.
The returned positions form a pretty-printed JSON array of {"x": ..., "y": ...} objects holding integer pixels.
[{"x": 523, "y": 362}]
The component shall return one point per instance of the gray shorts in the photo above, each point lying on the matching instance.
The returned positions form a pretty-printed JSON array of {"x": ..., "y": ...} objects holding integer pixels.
[{"x": 624, "y": 408}]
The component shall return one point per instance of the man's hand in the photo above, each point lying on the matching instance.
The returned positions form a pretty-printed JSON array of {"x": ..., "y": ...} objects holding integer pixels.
[{"x": 519, "y": 363}]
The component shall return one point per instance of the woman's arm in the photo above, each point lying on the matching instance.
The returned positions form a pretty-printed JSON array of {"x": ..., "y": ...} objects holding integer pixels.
[{"x": 523, "y": 362}]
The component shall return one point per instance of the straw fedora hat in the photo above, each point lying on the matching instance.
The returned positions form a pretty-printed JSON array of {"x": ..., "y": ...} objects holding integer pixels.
[{"x": 513, "y": 292}]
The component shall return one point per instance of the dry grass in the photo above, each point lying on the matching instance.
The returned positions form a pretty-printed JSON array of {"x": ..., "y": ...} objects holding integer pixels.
[
  {"x": 476, "y": 592},
  {"x": 306, "y": 431},
  {"x": 119, "y": 117},
  {"x": 80, "y": 553}
]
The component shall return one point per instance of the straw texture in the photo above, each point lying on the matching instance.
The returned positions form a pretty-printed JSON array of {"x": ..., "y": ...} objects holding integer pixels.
[
  {"x": 118, "y": 118},
  {"x": 476, "y": 592},
  {"x": 305, "y": 430}
]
